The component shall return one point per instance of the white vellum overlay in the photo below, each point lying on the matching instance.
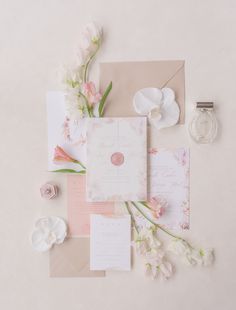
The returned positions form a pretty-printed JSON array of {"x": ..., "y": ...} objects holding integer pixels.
[
  {"x": 48, "y": 231},
  {"x": 159, "y": 105}
]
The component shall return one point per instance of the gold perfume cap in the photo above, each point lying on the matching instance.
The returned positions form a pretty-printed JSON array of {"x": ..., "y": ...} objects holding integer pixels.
[{"x": 205, "y": 105}]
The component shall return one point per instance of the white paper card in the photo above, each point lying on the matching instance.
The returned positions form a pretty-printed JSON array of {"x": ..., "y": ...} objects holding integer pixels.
[
  {"x": 110, "y": 242},
  {"x": 117, "y": 159}
]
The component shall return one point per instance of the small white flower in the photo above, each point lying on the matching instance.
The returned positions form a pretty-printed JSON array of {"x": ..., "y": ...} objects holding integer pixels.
[
  {"x": 207, "y": 256},
  {"x": 179, "y": 247},
  {"x": 166, "y": 270},
  {"x": 91, "y": 35},
  {"x": 159, "y": 105},
  {"x": 193, "y": 257},
  {"x": 157, "y": 264},
  {"x": 75, "y": 104},
  {"x": 48, "y": 231}
]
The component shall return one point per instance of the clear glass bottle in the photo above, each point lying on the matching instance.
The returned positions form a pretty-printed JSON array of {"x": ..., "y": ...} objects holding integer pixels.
[{"x": 203, "y": 127}]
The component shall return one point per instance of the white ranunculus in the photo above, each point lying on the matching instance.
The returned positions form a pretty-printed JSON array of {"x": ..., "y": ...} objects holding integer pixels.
[
  {"x": 48, "y": 231},
  {"x": 159, "y": 105}
]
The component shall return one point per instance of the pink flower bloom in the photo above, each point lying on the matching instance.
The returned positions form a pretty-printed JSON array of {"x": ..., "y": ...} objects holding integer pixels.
[
  {"x": 66, "y": 129},
  {"x": 89, "y": 90},
  {"x": 184, "y": 225},
  {"x": 152, "y": 151},
  {"x": 60, "y": 156},
  {"x": 158, "y": 206}
]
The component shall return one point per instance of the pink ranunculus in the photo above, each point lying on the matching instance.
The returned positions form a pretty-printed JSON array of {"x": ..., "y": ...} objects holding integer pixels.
[
  {"x": 89, "y": 90},
  {"x": 60, "y": 156},
  {"x": 158, "y": 206}
]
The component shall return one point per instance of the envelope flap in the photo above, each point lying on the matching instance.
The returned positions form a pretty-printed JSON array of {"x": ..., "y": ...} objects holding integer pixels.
[
  {"x": 71, "y": 259},
  {"x": 129, "y": 77}
]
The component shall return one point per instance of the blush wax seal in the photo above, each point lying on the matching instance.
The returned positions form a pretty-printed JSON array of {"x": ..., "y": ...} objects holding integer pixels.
[{"x": 117, "y": 159}]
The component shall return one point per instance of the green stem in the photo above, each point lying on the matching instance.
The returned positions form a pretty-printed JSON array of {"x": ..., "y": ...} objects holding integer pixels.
[
  {"x": 132, "y": 216},
  {"x": 146, "y": 205},
  {"x": 90, "y": 113},
  {"x": 157, "y": 225},
  {"x": 78, "y": 162},
  {"x": 88, "y": 62}
]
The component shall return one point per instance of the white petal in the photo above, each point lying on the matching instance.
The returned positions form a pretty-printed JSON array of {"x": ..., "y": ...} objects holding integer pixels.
[
  {"x": 168, "y": 94},
  {"x": 146, "y": 99},
  {"x": 48, "y": 230},
  {"x": 170, "y": 116},
  {"x": 166, "y": 269},
  {"x": 38, "y": 242}
]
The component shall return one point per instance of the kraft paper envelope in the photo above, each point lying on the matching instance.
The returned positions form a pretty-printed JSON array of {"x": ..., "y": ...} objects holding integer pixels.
[
  {"x": 71, "y": 259},
  {"x": 129, "y": 77}
]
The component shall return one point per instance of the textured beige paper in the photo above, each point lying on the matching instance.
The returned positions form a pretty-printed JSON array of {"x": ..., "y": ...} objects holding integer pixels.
[
  {"x": 71, "y": 259},
  {"x": 129, "y": 77}
]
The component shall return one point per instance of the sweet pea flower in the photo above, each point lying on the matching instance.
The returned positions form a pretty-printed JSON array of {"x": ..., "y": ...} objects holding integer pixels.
[
  {"x": 179, "y": 247},
  {"x": 207, "y": 256},
  {"x": 157, "y": 264},
  {"x": 91, "y": 35},
  {"x": 89, "y": 90},
  {"x": 158, "y": 206}
]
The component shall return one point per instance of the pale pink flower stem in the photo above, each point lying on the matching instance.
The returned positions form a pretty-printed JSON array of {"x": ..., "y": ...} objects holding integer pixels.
[{"x": 157, "y": 225}]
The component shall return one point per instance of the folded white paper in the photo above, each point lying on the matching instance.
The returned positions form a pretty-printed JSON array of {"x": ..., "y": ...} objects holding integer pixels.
[
  {"x": 110, "y": 242},
  {"x": 117, "y": 159}
]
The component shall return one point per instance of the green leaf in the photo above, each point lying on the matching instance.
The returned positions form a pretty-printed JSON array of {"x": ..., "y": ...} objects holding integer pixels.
[
  {"x": 103, "y": 100},
  {"x": 70, "y": 171}
]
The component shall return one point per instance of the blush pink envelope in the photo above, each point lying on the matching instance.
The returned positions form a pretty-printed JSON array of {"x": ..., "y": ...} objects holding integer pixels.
[
  {"x": 72, "y": 259},
  {"x": 79, "y": 210},
  {"x": 129, "y": 77}
]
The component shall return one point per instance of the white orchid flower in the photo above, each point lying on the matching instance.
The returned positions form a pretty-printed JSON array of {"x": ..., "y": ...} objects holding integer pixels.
[
  {"x": 158, "y": 105},
  {"x": 48, "y": 231}
]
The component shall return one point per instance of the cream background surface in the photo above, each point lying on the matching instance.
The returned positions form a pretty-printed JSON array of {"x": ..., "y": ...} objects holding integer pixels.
[{"x": 36, "y": 38}]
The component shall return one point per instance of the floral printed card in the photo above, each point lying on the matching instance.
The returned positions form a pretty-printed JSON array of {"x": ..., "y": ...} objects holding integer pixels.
[
  {"x": 64, "y": 132},
  {"x": 117, "y": 159},
  {"x": 168, "y": 176},
  {"x": 168, "y": 189}
]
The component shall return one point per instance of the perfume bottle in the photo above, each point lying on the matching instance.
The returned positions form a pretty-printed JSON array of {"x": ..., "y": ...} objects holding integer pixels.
[{"x": 203, "y": 127}]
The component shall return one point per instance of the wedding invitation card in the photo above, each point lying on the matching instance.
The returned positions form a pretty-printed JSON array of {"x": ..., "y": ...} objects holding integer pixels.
[
  {"x": 110, "y": 242},
  {"x": 168, "y": 176},
  {"x": 116, "y": 159}
]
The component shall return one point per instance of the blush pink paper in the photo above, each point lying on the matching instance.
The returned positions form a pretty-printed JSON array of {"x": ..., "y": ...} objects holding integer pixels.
[{"x": 79, "y": 210}]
